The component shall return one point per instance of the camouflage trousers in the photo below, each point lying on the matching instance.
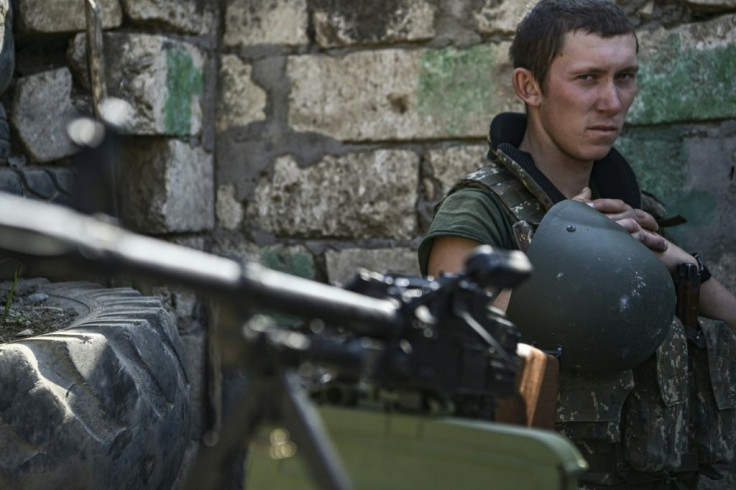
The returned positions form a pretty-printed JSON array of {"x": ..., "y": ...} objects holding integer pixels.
[{"x": 668, "y": 423}]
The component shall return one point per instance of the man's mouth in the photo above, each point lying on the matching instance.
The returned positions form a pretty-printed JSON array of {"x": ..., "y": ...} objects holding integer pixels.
[{"x": 604, "y": 129}]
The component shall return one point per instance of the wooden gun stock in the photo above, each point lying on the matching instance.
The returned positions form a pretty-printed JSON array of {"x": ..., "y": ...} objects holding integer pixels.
[
  {"x": 688, "y": 294},
  {"x": 535, "y": 399}
]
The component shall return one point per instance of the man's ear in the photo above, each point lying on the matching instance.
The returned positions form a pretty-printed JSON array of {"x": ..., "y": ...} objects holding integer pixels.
[{"x": 526, "y": 87}]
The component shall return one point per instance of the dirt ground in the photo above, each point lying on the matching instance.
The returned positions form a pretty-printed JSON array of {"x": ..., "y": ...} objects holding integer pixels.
[{"x": 30, "y": 312}]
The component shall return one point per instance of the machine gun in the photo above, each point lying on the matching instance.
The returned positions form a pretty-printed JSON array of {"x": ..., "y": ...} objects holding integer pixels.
[
  {"x": 436, "y": 338},
  {"x": 425, "y": 346}
]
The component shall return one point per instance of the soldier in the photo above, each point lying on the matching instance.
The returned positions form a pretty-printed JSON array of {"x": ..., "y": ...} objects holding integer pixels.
[{"x": 575, "y": 68}]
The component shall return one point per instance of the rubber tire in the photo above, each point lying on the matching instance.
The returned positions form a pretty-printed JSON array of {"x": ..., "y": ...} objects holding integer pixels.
[
  {"x": 50, "y": 184},
  {"x": 103, "y": 403}
]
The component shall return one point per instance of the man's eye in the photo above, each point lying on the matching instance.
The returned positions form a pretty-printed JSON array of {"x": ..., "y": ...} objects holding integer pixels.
[
  {"x": 626, "y": 76},
  {"x": 585, "y": 77}
]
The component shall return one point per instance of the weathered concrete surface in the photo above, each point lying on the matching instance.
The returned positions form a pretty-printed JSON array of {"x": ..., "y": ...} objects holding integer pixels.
[
  {"x": 449, "y": 164},
  {"x": 725, "y": 270},
  {"x": 249, "y": 23},
  {"x": 240, "y": 100},
  {"x": 360, "y": 195},
  {"x": 342, "y": 265},
  {"x": 161, "y": 78},
  {"x": 192, "y": 16},
  {"x": 658, "y": 156},
  {"x": 708, "y": 197},
  {"x": 229, "y": 211},
  {"x": 168, "y": 187},
  {"x": 440, "y": 93},
  {"x": 339, "y": 23},
  {"x": 690, "y": 169},
  {"x": 687, "y": 73},
  {"x": 57, "y": 16},
  {"x": 42, "y": 108},
  {"x": 500, "y": 17}
]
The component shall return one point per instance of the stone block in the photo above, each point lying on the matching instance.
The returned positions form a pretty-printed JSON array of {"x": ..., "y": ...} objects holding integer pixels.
[
  {"x": 398, "y": 94},
  {"x": 240, "y": 100},
  {"x": 449, "y": 164},
  {"x": 296, "y": 260},
  {"x": 280, "y": 22},
  {"x": 359, "y": 195},
  {"x": 228, "y": 210},
  {"x": 371, "y": 22},
  {"x": 42, "y": 108},
  {"x": 161, "y": 78},
  {"x": 168, "y": 187},
  {"x": 500, "y": 17},
  {"x": 192, "y": 16},
  {"x": 57, "y": 16},
  {"x": 712, "y": 4},
  {"x": 342, "y": 265},
  {"x": 7, "y": 66},
  {"x": 687, "y": 73}
]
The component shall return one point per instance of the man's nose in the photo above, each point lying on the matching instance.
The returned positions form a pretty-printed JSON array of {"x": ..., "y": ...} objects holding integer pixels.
[{"x": 610, "y": 98}]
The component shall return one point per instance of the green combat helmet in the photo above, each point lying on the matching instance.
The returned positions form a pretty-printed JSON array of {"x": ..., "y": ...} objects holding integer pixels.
[{"x": 596, "y": 292}]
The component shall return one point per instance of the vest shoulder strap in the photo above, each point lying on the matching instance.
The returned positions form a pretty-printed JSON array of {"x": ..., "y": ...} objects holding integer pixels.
[{"x": 518, "y": 201}]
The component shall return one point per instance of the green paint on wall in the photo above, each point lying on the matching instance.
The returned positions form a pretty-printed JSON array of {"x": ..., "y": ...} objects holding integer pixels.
[
  {"x": 297, "y": 264},
  {"x": 456, "y": 83},
  {"x": 698, "y": 207},
  {"x": 676, "y": 84},
  {"x": 184, "y": 82},
  {"x": 658, "y": 157}
]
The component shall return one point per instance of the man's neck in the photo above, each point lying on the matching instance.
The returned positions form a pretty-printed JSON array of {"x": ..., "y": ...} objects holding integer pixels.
[{"x": 569, "y": 175}]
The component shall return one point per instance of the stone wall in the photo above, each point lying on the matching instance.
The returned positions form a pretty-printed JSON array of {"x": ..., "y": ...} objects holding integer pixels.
[
  {"x": 315, "y": 136},
  {"x": 326, "y": 130},
  {"x": 339, "y": 128}
]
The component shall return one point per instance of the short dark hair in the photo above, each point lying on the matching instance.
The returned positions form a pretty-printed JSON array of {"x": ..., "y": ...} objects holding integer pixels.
[{"x": 541, "y": 33}]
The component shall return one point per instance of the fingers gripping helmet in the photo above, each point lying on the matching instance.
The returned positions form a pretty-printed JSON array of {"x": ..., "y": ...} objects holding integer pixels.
[{"x": 602, "y": 296}]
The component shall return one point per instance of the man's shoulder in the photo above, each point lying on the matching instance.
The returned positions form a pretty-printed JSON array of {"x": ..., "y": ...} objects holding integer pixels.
[
  {"x": 486, "y": 177},
  {"x": 506, "y": 189}
]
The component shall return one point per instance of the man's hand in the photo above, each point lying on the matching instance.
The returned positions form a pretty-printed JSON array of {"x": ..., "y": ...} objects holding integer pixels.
[{"x": 640, "y": 224}]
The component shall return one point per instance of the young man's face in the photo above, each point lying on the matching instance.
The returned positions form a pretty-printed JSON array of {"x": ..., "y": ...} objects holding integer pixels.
[{"x": 590, "y": 86}]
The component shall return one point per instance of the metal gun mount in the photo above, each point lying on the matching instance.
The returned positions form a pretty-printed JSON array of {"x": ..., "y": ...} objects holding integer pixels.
[{"x": 438, "y": 337}]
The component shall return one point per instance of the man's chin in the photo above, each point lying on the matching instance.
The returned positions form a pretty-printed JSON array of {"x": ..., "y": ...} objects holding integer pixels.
[{"x": 598, "y": 152}]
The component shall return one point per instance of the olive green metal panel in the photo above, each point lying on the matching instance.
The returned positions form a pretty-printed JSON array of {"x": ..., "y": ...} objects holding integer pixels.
[{"x": 396, "y": 451}]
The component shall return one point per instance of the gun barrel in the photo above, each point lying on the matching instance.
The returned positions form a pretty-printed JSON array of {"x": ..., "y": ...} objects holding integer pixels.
[{"x": 37, "y": 228}]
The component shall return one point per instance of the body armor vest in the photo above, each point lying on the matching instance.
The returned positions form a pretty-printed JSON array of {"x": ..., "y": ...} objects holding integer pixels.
[{"x": 670, "y": 419}]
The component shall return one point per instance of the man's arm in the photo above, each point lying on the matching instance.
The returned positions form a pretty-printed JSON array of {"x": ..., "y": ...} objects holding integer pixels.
[
  {"x": 715, "y": 300},
  {"x": 448, "y": 255}
]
